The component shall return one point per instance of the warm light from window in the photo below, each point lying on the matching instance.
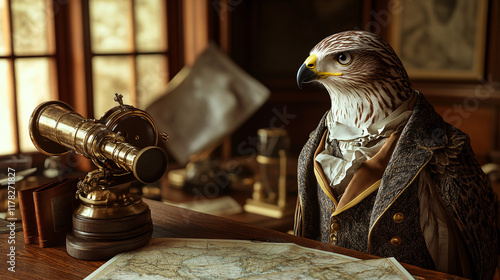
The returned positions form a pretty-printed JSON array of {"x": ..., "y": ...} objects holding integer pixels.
[
  {"x": 8, "y": 136},
  {"x": 35, "y": 83},
  {"x": 129, "y": 51},
  {"x": 112, "y": 74},
  {"x": 111, "y": 26},
  {"x": 32, "y": 27},
  {"x": 27, "y": 68}
]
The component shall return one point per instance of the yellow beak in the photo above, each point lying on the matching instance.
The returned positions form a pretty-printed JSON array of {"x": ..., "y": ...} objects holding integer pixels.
[{"x": 308, "y": 73}]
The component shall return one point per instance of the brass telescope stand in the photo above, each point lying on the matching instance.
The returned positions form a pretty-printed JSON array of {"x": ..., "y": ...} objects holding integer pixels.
[{"x": 108, "y": 222}]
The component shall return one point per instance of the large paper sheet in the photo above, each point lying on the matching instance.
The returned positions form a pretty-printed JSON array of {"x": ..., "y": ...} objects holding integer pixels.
[
  {"x": 172, "y": 258},
  {"x": 204, "y": 104}
]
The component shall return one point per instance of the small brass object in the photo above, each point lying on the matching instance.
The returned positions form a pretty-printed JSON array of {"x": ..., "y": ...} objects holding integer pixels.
[
  {"x": 269, "y": 193},
  {"x": 123, "y": 146}
]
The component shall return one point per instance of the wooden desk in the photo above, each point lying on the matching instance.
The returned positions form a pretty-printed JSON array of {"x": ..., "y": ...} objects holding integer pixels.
[
  {"x": 240, "y": 193},
  {"x": 33, "y": 262}
]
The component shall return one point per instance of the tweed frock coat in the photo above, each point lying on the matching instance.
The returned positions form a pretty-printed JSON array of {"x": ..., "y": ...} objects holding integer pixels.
[{"x": 427, "y": 144}]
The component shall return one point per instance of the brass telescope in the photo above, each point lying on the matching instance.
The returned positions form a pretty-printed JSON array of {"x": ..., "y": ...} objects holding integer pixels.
[
  {"x": 56, "y": 129},
  {"x": 123, "y": 142}
]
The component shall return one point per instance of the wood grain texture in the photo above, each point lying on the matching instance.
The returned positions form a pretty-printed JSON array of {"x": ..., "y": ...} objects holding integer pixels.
[{"x": 33, "y": 262}]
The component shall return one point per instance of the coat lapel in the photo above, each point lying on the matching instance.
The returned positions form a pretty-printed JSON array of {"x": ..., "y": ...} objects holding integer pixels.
[
  {"x": 306, "y": 216},
  {"x": 423, "y": 133}
]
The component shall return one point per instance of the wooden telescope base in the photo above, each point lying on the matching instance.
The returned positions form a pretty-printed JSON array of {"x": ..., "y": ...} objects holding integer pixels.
[{"x": 102, "y": 239}]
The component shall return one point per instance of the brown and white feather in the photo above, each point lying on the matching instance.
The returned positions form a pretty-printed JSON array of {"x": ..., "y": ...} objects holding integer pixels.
[{"x": 371, "y": 87}]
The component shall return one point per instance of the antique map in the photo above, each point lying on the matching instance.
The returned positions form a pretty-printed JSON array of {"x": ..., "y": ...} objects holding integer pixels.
[{"x": 172, "y": 258}]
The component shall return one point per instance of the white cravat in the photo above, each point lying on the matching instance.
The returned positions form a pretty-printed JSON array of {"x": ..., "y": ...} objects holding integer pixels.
[{"x": 357, "y": 145}]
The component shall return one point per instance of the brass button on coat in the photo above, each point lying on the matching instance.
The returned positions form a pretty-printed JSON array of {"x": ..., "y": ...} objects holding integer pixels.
[
  {"x": 396, "y": 241},
  {"x": 335, "y": 226},
  {"x": 333, "y": 239},
  {"x": 398, "y": 217}
]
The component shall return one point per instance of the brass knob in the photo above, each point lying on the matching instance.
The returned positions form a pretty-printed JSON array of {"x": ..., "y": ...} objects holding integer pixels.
[
  {"x": 164, "y": 136},
  {"x": 118, "y": 98}
]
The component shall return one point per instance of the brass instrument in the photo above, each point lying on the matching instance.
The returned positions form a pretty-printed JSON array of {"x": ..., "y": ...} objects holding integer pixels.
[
  {"x": 123, "y": 145},
  {"x": 269, "y": 190}
]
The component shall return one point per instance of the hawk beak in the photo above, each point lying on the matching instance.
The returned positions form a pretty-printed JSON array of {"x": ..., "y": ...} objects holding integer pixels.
[
  {"x": 308, "y": 73},
  {"x": 305, "y": 75}
]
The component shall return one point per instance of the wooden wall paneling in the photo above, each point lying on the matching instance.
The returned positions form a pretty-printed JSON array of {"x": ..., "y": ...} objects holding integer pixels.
[
  {"x": 242, "y": 32},
  {"x": 470, "y": 107},
  {"x": 224, "y": 20},
  {"x": 495, "y": 154},
  {"x": 78, "y": 85},
  {"x": 195, "y": 18},
  {"x": 493, "y": 43},
  {"x": 175, "y": 35},
  {"x": 493, "y": 69},
  {"x": 63, "y": 51},
  {"x": 478, "y": 123},
  {"x": 85, "y": 13}
]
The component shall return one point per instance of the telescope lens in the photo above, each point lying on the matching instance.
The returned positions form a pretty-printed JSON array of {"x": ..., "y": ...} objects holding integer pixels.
[{"x": 150, "y": 164}]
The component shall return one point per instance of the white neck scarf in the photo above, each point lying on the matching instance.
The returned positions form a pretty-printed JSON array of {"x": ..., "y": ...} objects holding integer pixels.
[{"x": 357, "y": 145}]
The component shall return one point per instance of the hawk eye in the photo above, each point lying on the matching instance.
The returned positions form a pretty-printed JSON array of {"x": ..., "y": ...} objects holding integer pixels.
[{"x": 344, "y": 58}]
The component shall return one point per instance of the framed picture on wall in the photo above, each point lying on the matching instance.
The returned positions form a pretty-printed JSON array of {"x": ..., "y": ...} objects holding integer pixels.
[{"x": 441, "y": 39}]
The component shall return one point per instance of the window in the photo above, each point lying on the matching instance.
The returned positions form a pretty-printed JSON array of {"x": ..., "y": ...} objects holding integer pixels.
[
  {"x": 128, "y": 51},
  {"x": 111, "y": 46},
  {"x": 27, "y": 68}
]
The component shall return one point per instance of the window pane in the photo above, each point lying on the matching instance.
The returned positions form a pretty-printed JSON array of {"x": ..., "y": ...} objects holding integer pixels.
[
  {"x": 111, "y": 26},
  {"x": 4, "y": 29},
  {"x": 150, "y": 18},
  {"x": 8, "y": 134},
  {"x": 30, "y": 24},
  {"x": 112, "y": 74},
  {"x": 152, "y": 76},
  {"x": 34, "y": 84}
]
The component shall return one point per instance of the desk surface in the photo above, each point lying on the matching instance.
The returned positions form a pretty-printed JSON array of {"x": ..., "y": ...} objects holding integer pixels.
[{"x": 33, "y": 262}]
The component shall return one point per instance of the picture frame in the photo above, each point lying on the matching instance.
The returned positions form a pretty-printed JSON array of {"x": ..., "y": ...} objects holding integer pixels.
[{"x": 439, "y": 40}]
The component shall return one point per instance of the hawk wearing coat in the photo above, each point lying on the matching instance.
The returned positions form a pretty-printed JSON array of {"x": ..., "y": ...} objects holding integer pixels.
[{"x": 383, "y": 173}]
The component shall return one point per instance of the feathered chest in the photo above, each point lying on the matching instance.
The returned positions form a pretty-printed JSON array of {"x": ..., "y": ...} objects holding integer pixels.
[{"x": 361, "y": 105}]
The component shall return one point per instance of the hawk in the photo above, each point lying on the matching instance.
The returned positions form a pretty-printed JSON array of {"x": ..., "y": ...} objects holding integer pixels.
[{"x": 383, "y": 173}]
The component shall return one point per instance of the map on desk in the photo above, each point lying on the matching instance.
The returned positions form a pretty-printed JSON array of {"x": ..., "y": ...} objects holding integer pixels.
[{"x": 172, "y": 258}]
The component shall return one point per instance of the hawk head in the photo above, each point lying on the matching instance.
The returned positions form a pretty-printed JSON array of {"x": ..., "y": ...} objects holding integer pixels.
[{"x": 362, "y": 73}]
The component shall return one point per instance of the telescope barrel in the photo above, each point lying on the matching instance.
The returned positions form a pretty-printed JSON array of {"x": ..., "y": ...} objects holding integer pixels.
[{"x": 55, "y": 128}]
